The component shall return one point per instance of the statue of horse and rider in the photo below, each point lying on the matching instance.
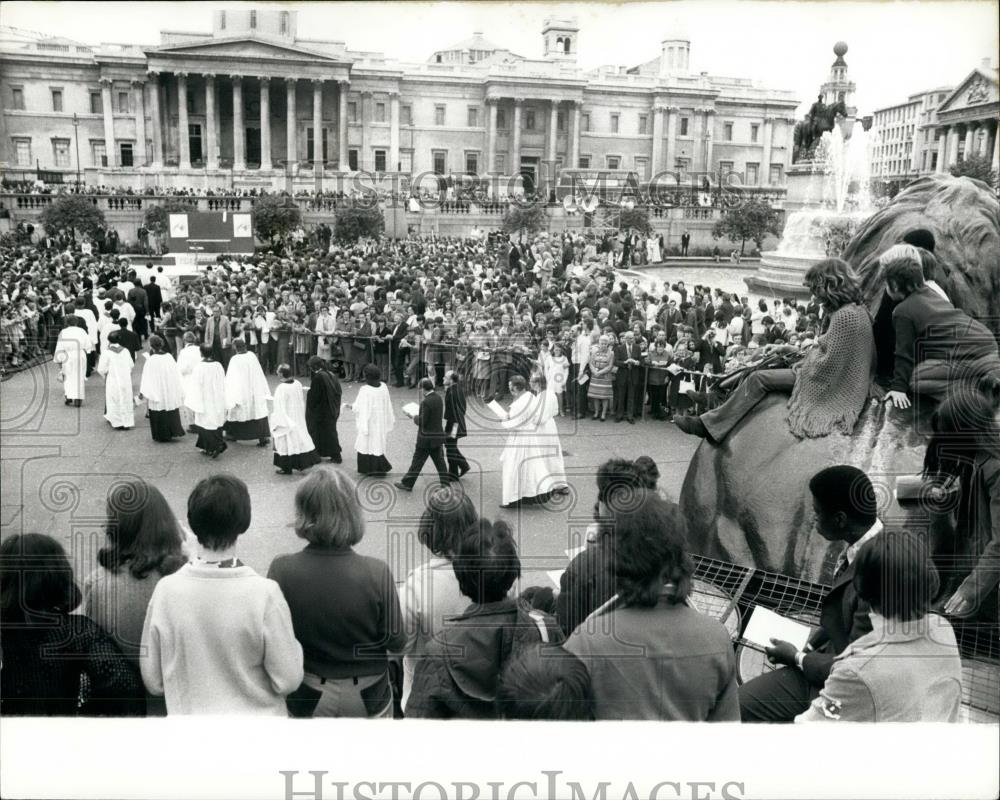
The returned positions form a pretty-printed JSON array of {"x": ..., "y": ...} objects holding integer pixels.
[
  {"x": 820, "y": 119},
  {"x": 746, "y": 500}
]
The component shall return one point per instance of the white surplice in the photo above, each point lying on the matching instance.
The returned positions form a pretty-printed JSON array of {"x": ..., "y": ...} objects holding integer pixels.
[
  {"x": 548, "y": 433},
  {"x": 524, "y": 467},
  {"x": 207, "y": 395},
  {"x": 288, "y": 421},
  {"x": 374, "y": 418},
  {"x": 161, "y": 383},
  {"x": 71, "y": 356},
  {"x": 115, "y": 365},
  {"x": 247, "y": 391}
]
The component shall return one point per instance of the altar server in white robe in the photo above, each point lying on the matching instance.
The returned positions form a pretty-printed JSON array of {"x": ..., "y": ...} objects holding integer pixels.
[
  {"x": 161, "y": 388},
  {"x": 207, "y": 399},
  {"x": 115, "y": 366},
  {"x": 247, "y": 397},
  {"x": 524, "y": 469},
  {"x": 71, "y": 357},
  {"x": 293, "y": 447},
  {"x": 374, "y": 419},
  {"x": 547, "y": 403},
  {"x": 187, "y": 359}
]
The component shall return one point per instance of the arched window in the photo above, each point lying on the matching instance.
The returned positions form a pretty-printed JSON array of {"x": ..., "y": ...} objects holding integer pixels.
[
  {"x": 566, "y": 45},
  {"x": 559, "y": 42}
]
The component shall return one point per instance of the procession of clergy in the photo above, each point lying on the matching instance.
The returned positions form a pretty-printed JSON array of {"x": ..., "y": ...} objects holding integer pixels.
[{"x": 195, "y": 394}]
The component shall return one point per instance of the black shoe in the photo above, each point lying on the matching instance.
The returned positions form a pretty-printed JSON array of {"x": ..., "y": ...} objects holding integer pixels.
[
  {"x": 77, "y": 403},
  {"x": 69, "y": 402},
  {"x": 693, "y": 426},
  {"x": 403, "y": 486},
  {"x": 462, "y": 472}
]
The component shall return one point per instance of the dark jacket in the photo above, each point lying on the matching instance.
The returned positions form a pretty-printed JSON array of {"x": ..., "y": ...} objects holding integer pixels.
[
  {"x": 587, "y": 583},
  {"x": 155, "y": 297},
  {"x": 454, "y": 411},
  {"x": 430, "y": 421}
]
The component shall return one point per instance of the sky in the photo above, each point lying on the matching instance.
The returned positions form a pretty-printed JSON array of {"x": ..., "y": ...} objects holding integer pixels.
[{"x": 895, "y": 48}]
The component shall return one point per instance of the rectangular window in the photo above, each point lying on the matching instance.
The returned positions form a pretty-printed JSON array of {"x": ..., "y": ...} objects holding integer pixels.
[
  {"x": 125, "y": 150},
  {"x": 583, "y": 162},
  {"x": 352, "y": 111},
  {"x": 560, "y": 121},
  {"x": 440, "y": 160},
  {"x": 406, "y": 115},
  {"x": 98, "y": 153},
  {"x": 57, "y": 98},
  {"x": 472, "y": 162},
  {"x": 501, "y": 119},
  {"x": 585, "y": 122},
  {"x": 284, "y": 22},
  {"x": 22, "y": 152},
  {"x": 123, "y": 105},
  {"x": 439, "y": 115},
  {"x": 754, "y": 131},
  {"x": 642, "y": 167},
  {"x": 17, "y": 99},
  {"x": 529, "y": 120},
  {"x": 96, "y": 103},
  {"x": 614, "y": 162},
  {"x": 775, "y": 178},
  {"x": 352, "y": 159},
  {"x": 725, "y": 168},
  {"x": 642, "y": 124},
  {"x": 194, "y": 141},
  {"x": 727, "y": 131},
  {"x": 380, "y": 112},
  {"x": 499, "y": 162},
  {"x": 472, "y": 117},
  {"x": 614, "y": 123},
  {"x": 684, "y": 127},
  {"x": 190, "y": 102},
  {"x": 253, "y": 19},
  {"x": 60, "y": 152},
  {"x": 380, "y": 159},
  {"x": 406, "y": 161},
  {"x": 222, "y": 20},
  {"x": 753, "y": 174}
]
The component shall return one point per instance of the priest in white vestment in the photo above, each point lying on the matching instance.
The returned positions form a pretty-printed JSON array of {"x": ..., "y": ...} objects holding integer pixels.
[
  {"x": 115, "y": 366},
  {"x": 374, "y": 419},
  {"x": 524, "y": 468},
  {"x": 187, "y": 359},
  {"x": 293, "y": 447},
  {"x": 71, "y": 356},
  {"x": 547, "y": 403},
  {"x": 206, "y": 397},
  {"x": 247, "y": 397},
  {"x": 160, "y": 387}
]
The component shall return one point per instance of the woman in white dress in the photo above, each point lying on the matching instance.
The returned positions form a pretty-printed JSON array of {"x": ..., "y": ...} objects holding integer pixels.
[
  {"x": 115, "y": 366},
  {"x": 653, "y": 250},
  {"x": 374, "y": 419}
]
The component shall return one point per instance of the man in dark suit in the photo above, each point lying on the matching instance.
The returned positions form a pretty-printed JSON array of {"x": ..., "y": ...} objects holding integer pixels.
[
  {"x": 430, "y": 437},
  {"x": 845, "y": 507},
  {"x": 397, "y": 353},
  {"x": 154, "y": 300},
  {"x": 629, "y": 380},
  {"x": 454, "y": 423}
]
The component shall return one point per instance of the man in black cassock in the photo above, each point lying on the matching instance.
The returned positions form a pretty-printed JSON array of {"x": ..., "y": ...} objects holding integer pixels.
[{"x": 323, "y": 409}]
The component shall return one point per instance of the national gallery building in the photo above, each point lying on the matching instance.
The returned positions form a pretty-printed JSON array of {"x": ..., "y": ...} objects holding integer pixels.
[{"x": 255, "y": 104}]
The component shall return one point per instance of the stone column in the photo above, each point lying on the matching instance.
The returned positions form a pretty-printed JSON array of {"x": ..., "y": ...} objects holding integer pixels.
[
  {"x": 183, "y": 140},
  {"x": 553, "y": 128},
  {"x": 239, "y": 132},
  {"x": 318, "y": 128},
  {"x": 211, "y": 141},
  {"x": 265, "y": 123},
  {"x": 491, "y": 133},
  {"x": 709, "y": 139},
  {"x": 953, "y": 146},
  {"x": 366, "y": 113},
  {"x": 984, "y": 141},
  {"x": 393, "y": 164},
  {"x": 154, "y": 109},
  {"x": 970, "y": 135},
  {"x": 291, "y": 139},
  {"x": 942, "y": 151},
  {"x": 671, "y": 157},
  {"x": 515, "y": 156},
  {"x": 656, "y": 156},
  {"x": 342, "y": 88},
  {"x": 765, "y": 178},
  {"x": 574, "y": 135},
  {"x": 996, "y": 148},
  {"x": 139, "y": 158},
  {"x": 109, "y": 122}
]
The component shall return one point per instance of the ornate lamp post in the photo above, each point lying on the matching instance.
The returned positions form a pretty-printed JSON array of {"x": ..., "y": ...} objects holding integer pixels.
[{"x": 76, "y": 137}]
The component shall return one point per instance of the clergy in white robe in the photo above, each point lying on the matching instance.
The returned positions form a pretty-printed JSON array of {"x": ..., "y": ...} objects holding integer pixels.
[
  {"x": 374, "y": 419},
  {"x": 293, "y": 447},
  {"x": 247, "y": 397},
  {"x": 71, "y": 356},
  {"x": 187, "y": 359},
  {"x": 160, "y": 386},
  {"x": 523, "y": 465},
  {"x": 206, "y": 397},
  {"x": 115, "y": 366},
  {"x": 547, "y": 405}
]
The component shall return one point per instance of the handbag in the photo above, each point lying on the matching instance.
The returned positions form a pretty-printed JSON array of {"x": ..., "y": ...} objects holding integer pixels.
[{"x": 359, "y": 345}]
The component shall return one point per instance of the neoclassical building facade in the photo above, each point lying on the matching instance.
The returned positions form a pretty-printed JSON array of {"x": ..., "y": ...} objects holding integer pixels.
[{"x": 253, "y": 103}]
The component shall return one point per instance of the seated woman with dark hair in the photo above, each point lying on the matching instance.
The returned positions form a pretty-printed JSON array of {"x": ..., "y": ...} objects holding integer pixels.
[
  {"x": 908, "y": 668},
  {"x": 431, "y": 592},
  {"x": 47, "y": 650},
  {"x": 218, "y": 637},
  {"x": 649, "y": 654},
  {"x": 545, "y": 683}
]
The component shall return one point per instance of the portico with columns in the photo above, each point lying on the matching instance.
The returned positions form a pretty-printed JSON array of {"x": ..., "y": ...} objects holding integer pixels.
[{"x": 967, "y": 121}]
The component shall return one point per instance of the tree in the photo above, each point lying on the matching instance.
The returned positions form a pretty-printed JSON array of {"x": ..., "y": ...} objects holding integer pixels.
[
  {"x": 355, "y": 221},
  {"x": 528, "y": 218},
  {"x": 978, "y": 167},
  {"x": 157, "y": 218},
  {"x": 72, "y": 212},
  {"x": 275, "y": 216},
  {"x": 632, "y": 219},
  {"x": 751, "y": 220}
]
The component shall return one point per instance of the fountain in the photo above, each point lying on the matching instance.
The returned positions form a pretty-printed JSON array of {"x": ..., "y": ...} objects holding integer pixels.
[{"x": 828, "y": 189}]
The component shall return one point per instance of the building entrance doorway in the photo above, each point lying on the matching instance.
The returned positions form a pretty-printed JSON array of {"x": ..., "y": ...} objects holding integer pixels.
[
  {"x": 529, "y": 173},
  {"x": 253, "y": 147}
]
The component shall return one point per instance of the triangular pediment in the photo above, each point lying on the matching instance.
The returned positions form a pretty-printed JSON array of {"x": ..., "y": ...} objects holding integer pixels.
[
  {"x": 978, "y": 88},
  {"x": 243, "y": 48}
]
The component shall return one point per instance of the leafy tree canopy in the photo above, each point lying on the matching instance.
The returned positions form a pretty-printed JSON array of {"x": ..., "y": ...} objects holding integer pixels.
[
  {"x": 275, "y": 216},
  {"x": 72, "y": 212},
  {"x": 752, "y": 220},
  {"x": 354, "y": 222}
]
